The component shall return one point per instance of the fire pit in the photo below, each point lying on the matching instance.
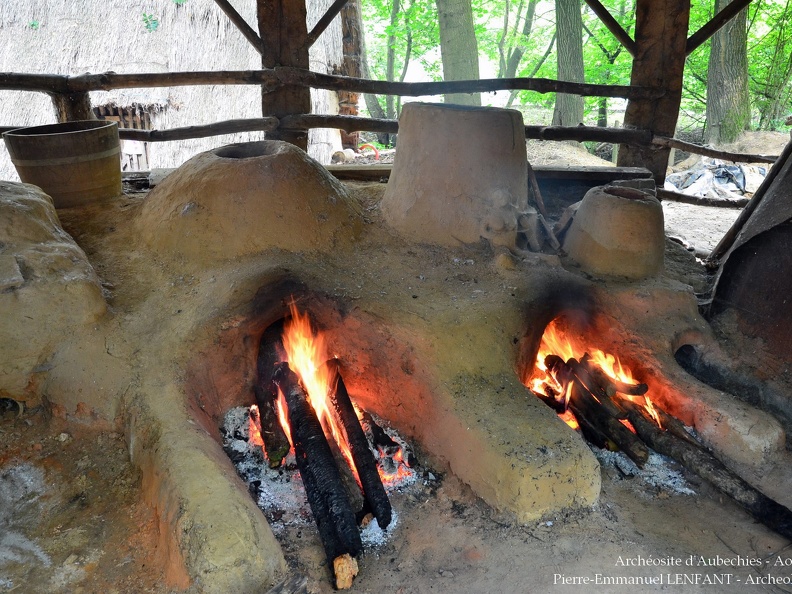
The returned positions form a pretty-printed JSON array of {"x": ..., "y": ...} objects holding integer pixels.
[{"x": 435, "y": 339}]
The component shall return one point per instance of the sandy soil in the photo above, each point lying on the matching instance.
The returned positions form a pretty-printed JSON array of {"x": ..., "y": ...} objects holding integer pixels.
[{"x": 71, "y": 521}]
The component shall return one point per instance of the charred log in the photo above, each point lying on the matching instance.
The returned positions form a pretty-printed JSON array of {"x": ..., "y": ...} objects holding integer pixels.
[
  {"x": 320, "y": 475},
  {"x": 610, "y": 385},
  {"x": 379, "y": 438},
  {"x": 276, "y": 444},
  {"x": 366, "y": 465},
  {"x": 351, "y": 487},
  {"x": 700, "y": 461},
  {"x": 597, "y": 417}
]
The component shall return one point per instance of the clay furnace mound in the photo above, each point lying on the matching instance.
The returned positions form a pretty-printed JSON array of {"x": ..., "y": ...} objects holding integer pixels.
[{"x": 244, "y": 199}]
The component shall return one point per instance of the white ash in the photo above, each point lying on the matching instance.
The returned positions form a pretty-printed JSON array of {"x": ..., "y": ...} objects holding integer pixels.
[
  {"x": 20, "y": 489},
  {"x": 373, "y": 536},
  {"x": 657, "y": 472}
]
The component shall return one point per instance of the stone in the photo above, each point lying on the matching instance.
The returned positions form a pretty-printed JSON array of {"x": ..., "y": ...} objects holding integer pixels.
[
  {"x": 460, "y": 175},
  {"x": 617, "y": 232},
  {"x": 49, "y": 294}
]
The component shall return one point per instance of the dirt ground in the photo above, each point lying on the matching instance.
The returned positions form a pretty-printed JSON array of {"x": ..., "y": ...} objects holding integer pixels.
[{"x": 71, "y": 520}]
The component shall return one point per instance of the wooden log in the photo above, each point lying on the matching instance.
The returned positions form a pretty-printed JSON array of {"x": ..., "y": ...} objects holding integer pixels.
[
  {"x": 283, "y": 32},
  {"x": 697, "y": 149},
  {"x": 594, "y": 413},
  {"x": 325, "y": 21},
  {"x": 701, "y": 462},
  {"x": 276, "y": 444},
  {"x": 609, "y": 384},
  {"x": 240, "y": 23},
  {"x": 331, "y": 509},
  {"x": 366, "y": 465},
  {"x": 379, "y": 438},
  {"x": 582, "y": 374},
  {"x": 72, "y": 107},
  {"x": 714, "y": 24},
  {"x": 351, "y": 487},
  {"x": 669, "y": 196},
  {"x": 278, "y": 76},
  {"x": 214, "y": 129},
  {"x": 659, "y": 63},
  {"x": 612, "y": 25}
]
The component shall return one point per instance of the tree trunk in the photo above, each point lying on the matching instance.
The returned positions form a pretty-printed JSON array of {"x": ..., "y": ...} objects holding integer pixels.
[
  {"x": 283, "y": 30},
  {"x": 569, "y": 26},
  {"x": 728, "y": 102},
  {"x": 458, "y": 47},
  {"x": 660, "y": 37},
  {"x": 351, "y": 32}
]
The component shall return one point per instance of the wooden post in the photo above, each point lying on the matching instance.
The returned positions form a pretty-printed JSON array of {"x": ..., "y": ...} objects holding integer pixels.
[
  {"x": 283, "y": 32},
  {"x": 660, "y": 37},
  {"x": 72, "y": 107},
  {"x": 350, "y": 66}
]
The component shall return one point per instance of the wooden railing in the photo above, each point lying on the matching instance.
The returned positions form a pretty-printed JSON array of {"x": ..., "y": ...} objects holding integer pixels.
[{"x": 70, "y": 97}]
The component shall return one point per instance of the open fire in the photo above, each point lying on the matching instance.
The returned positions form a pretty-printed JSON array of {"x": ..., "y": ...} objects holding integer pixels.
[
  {"x": 580, "y": 383},
  {"x": 593, "y": 392},
  {"x": 304, "y": 417}
]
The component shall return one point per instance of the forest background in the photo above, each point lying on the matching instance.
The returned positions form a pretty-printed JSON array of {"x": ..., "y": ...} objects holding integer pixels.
[{"x": 739, "y": 80}]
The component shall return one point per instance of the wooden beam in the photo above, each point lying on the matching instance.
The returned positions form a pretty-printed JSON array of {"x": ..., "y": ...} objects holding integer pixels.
[
  {"x": 612, "y": 25},
  {"x": 660, "y": 35},
  {"x": 325, "y": 21},
  {"x": 719, "y": 20},
  {"x": 240, "y": 23},
  {"x": 273, "y": 78},
  {"x": 215, "y": 129},
  {"x": 72, "y": 107}
]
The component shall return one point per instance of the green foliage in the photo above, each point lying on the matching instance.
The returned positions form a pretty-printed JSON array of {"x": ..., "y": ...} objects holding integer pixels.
[
  {"x": 35, "y": 24},
  {"x": 180, "y": 2},
  {"x": 499, "y": 26},
  {"x": 150, "y": 22}
]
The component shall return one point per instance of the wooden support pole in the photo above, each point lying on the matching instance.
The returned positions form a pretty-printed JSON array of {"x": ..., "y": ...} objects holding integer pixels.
[
  {"x": 283, "y": 34},
  {"x": 717, "y": 22},
  {"x": 325, "y": 21},
  {"x": 240, "y": 23},
  {"x": 612, "y": 25},
  {"x": 660, "y": 36},
  {"x": 72, "y": 107}
]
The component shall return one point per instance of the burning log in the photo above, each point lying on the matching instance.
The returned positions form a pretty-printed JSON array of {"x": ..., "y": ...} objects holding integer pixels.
[
  {"x": 331, "y": 509},
  {"x": 596, "y": 415},
  {"x": 366, "y": 465},
  {"x": 698, "y": 460},
  {"x": 276, "y": 444},
  {"x": 611, "y": 385},
  {"x": 351, "y": 487}
]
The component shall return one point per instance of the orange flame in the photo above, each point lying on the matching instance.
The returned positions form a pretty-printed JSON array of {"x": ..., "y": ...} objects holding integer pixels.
[
  {"x": 254, "y": 429},
  {"x": 283, "y": 416},
  {"x": 556, "y": 342},
  {"x": 307, "y": 353}
]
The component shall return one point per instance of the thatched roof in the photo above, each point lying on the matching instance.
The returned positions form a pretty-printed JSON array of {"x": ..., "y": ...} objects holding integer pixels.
[{"x": 78, "y": 36}]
